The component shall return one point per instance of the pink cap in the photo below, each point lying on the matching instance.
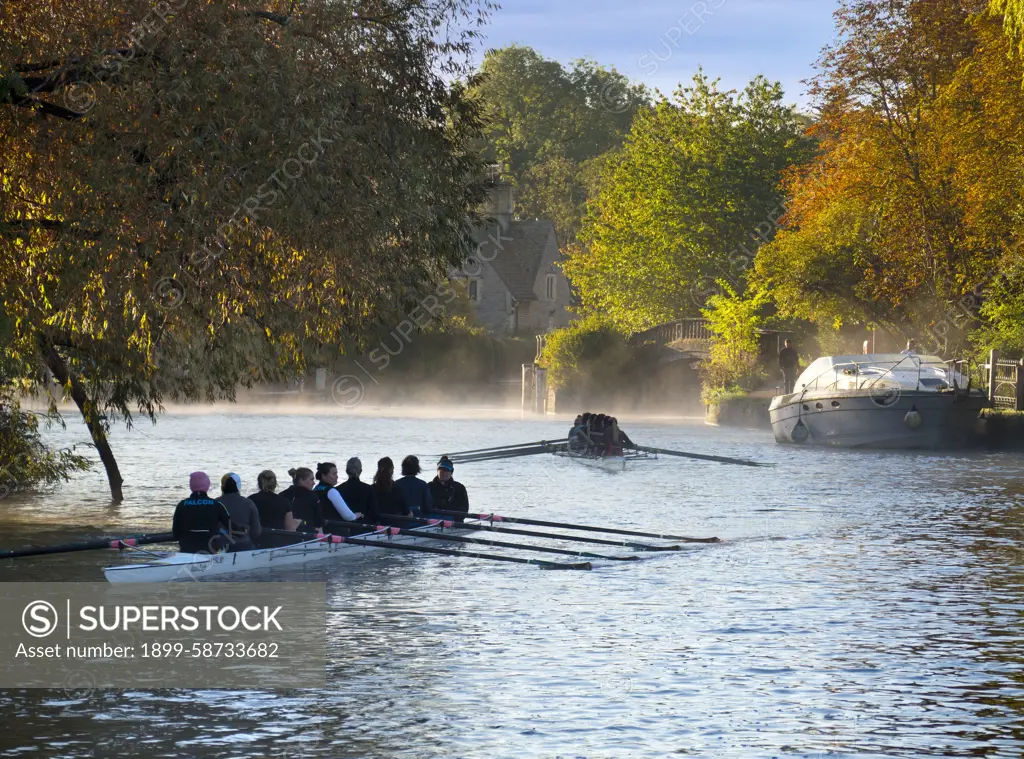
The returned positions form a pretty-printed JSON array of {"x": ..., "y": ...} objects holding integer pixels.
[{"x": 199, "y": 482}]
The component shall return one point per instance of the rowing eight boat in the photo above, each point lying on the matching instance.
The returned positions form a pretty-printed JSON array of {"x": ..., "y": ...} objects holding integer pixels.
[
  {"x": 610, "y": 463},
  {"x": 193, "y": 566}
]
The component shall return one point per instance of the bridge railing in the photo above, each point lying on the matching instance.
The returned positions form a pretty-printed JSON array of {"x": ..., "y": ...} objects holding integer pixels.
[{"x": 690, "y": 330}]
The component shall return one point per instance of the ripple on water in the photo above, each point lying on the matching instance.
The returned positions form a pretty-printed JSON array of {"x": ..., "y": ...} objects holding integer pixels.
[{"x": 862, "y": 605}]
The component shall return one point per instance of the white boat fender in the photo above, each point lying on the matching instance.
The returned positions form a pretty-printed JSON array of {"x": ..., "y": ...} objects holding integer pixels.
[
  {"x": 800, "y": 432},
  {"x": 913, "y": 419}
]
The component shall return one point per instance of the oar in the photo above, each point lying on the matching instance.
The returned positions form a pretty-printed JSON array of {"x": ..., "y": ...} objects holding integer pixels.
[
  {"x": 496, "y": 456},
  {"x": 90, "y": 545},
  {"x": 701, "y": 456},
  {"x": 567, "y": 526},
  {"x": 527, "y": 533},
  {"x": 446, "y": 552},
  {"x": 498, "y": 448},
  {"x": 503, "y": 544}
]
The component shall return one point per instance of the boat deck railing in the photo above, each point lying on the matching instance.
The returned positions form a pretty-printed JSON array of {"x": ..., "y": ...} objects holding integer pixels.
[{"x": 951, "y": 369}]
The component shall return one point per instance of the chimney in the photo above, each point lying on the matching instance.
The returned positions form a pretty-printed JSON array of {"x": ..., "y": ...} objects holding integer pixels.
[{"x": 500, "y": 202}]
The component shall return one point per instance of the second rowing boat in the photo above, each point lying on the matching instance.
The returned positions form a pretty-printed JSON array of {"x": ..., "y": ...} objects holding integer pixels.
[{"x": 610, "y": 463}]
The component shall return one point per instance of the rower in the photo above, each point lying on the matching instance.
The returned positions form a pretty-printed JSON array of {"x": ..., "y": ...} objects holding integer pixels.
[
  {"x": 200, "y": 523},
  {"x": 623, "y": 441},
  {"x": 597, "y": 435},
  {"x": 415, "y": 490},
  {"x": 575, "y": 440},
  {"x": 390, "y": 500},
  {"x": 448, "y": 494},
  {"x": 275, "y": 510},
  {"x": 245, "y": 519},
  {"x": 331, "y": 502},
  {"x": 304, "y": 502},
  {"x": 358, "y": 494}
]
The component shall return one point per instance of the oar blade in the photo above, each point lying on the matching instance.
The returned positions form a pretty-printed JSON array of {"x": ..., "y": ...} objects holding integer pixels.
[{"x": 585, "y": 566}]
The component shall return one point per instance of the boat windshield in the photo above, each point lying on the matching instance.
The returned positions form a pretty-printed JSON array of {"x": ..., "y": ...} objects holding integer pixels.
[{"x": 879, "y": 371}]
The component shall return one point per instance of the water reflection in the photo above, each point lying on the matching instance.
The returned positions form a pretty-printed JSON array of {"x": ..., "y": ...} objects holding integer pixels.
[{"x": 863, "y": 604}]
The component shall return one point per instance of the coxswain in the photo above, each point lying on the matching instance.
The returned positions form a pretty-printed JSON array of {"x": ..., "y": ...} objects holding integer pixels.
[
  {"x": 358, "y": 494},
  {"x": 201, "y": 524},
  {"x": 331, "y": 502},
  {"x": 415, "y": 490},
  {"x": 304, "y": 502},
  {"x": 245, "y": 519},
  {"x": 448, "y": 494},
  {"x": 390, "y": 500},
  {"x": 275, "y": 510}
]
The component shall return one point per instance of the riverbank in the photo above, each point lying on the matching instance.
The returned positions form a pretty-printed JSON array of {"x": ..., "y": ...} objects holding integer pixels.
[{"x": 749, "y": 411}]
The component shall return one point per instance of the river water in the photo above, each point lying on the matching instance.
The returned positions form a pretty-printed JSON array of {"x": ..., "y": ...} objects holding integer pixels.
[{"x": 861, "y": 605}]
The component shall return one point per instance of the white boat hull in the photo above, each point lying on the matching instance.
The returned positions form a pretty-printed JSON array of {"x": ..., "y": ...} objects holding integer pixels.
[
  {"x": 607, "y": 463},
  {"x": 855, "y": 419},
  {"x": 189, "y": 566}
]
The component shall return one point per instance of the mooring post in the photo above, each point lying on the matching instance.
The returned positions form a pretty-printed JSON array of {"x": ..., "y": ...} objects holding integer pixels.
[
  {"x": 529, "y": 388},
  {"x": 1019, "y": 404},
  {"x": 993, "y": 359}
]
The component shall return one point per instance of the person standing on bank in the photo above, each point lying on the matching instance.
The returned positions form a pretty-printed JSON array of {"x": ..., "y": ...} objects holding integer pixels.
[
  {"x": 245, "y": 518},
  {"x": 416, "y": 491},
  {"x": 201, "y": 524},
  {"x": 448, "y": 494},
  {"x": 789, "y": 363}
]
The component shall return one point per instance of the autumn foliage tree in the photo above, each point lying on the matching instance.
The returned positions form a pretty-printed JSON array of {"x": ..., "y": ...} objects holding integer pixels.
[
  {"x": 202, "y": 193},
  {"x": 905, "y": 217}
]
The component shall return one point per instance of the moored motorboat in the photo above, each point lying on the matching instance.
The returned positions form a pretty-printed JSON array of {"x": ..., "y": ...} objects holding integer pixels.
[
  {"x": 190, "y": 566},
  {"x": 898, "y": 401}
]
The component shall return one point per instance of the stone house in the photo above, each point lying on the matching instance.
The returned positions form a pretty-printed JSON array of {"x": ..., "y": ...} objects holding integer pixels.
[{"x": 512, "y": 278}]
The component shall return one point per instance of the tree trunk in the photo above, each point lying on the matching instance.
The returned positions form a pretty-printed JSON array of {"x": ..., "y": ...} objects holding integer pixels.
[{"x": 89, "y": 413}]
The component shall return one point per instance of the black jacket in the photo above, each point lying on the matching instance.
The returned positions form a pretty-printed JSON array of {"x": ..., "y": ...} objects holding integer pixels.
[
  {"x": 390, "y": 502},
  {"x": 305, "y": 507},
  {"x": 450, "y": 496},
  {"x": 360, "y": 497},
  {"x": 788, "y": 358},
  {"x": 199, "y": 522},
  {"x": 272, "y": 508}
]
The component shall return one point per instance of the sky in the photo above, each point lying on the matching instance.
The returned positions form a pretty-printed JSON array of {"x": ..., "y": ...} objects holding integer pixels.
[{"x": 662, "y": 42}]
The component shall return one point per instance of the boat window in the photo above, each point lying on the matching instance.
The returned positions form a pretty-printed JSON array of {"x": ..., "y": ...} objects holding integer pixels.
[
  {"x": 818, "y": 406},
  {"x": 934, "y": 382},
  {"x": 806, "y": 407},
  {"x": 835, "y": 404}
]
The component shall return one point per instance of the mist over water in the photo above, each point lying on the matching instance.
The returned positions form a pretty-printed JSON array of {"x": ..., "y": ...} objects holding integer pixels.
[{"x": 861, "y": 605}]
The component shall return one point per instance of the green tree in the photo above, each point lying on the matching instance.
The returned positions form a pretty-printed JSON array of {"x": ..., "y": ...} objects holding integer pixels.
[
  {"x": 691, "y": 195},
  {"x": 548, "y": 124},
  {"x": 199, "y": 195},
  {"x": 734, "y": 320}
]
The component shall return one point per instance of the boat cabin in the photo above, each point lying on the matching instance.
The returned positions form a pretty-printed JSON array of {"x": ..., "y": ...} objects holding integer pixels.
[{"x": 875, "y": 371}]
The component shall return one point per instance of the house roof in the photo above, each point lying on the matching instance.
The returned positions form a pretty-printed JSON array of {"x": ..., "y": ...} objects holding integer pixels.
[{"x": 518, "y": 259}]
